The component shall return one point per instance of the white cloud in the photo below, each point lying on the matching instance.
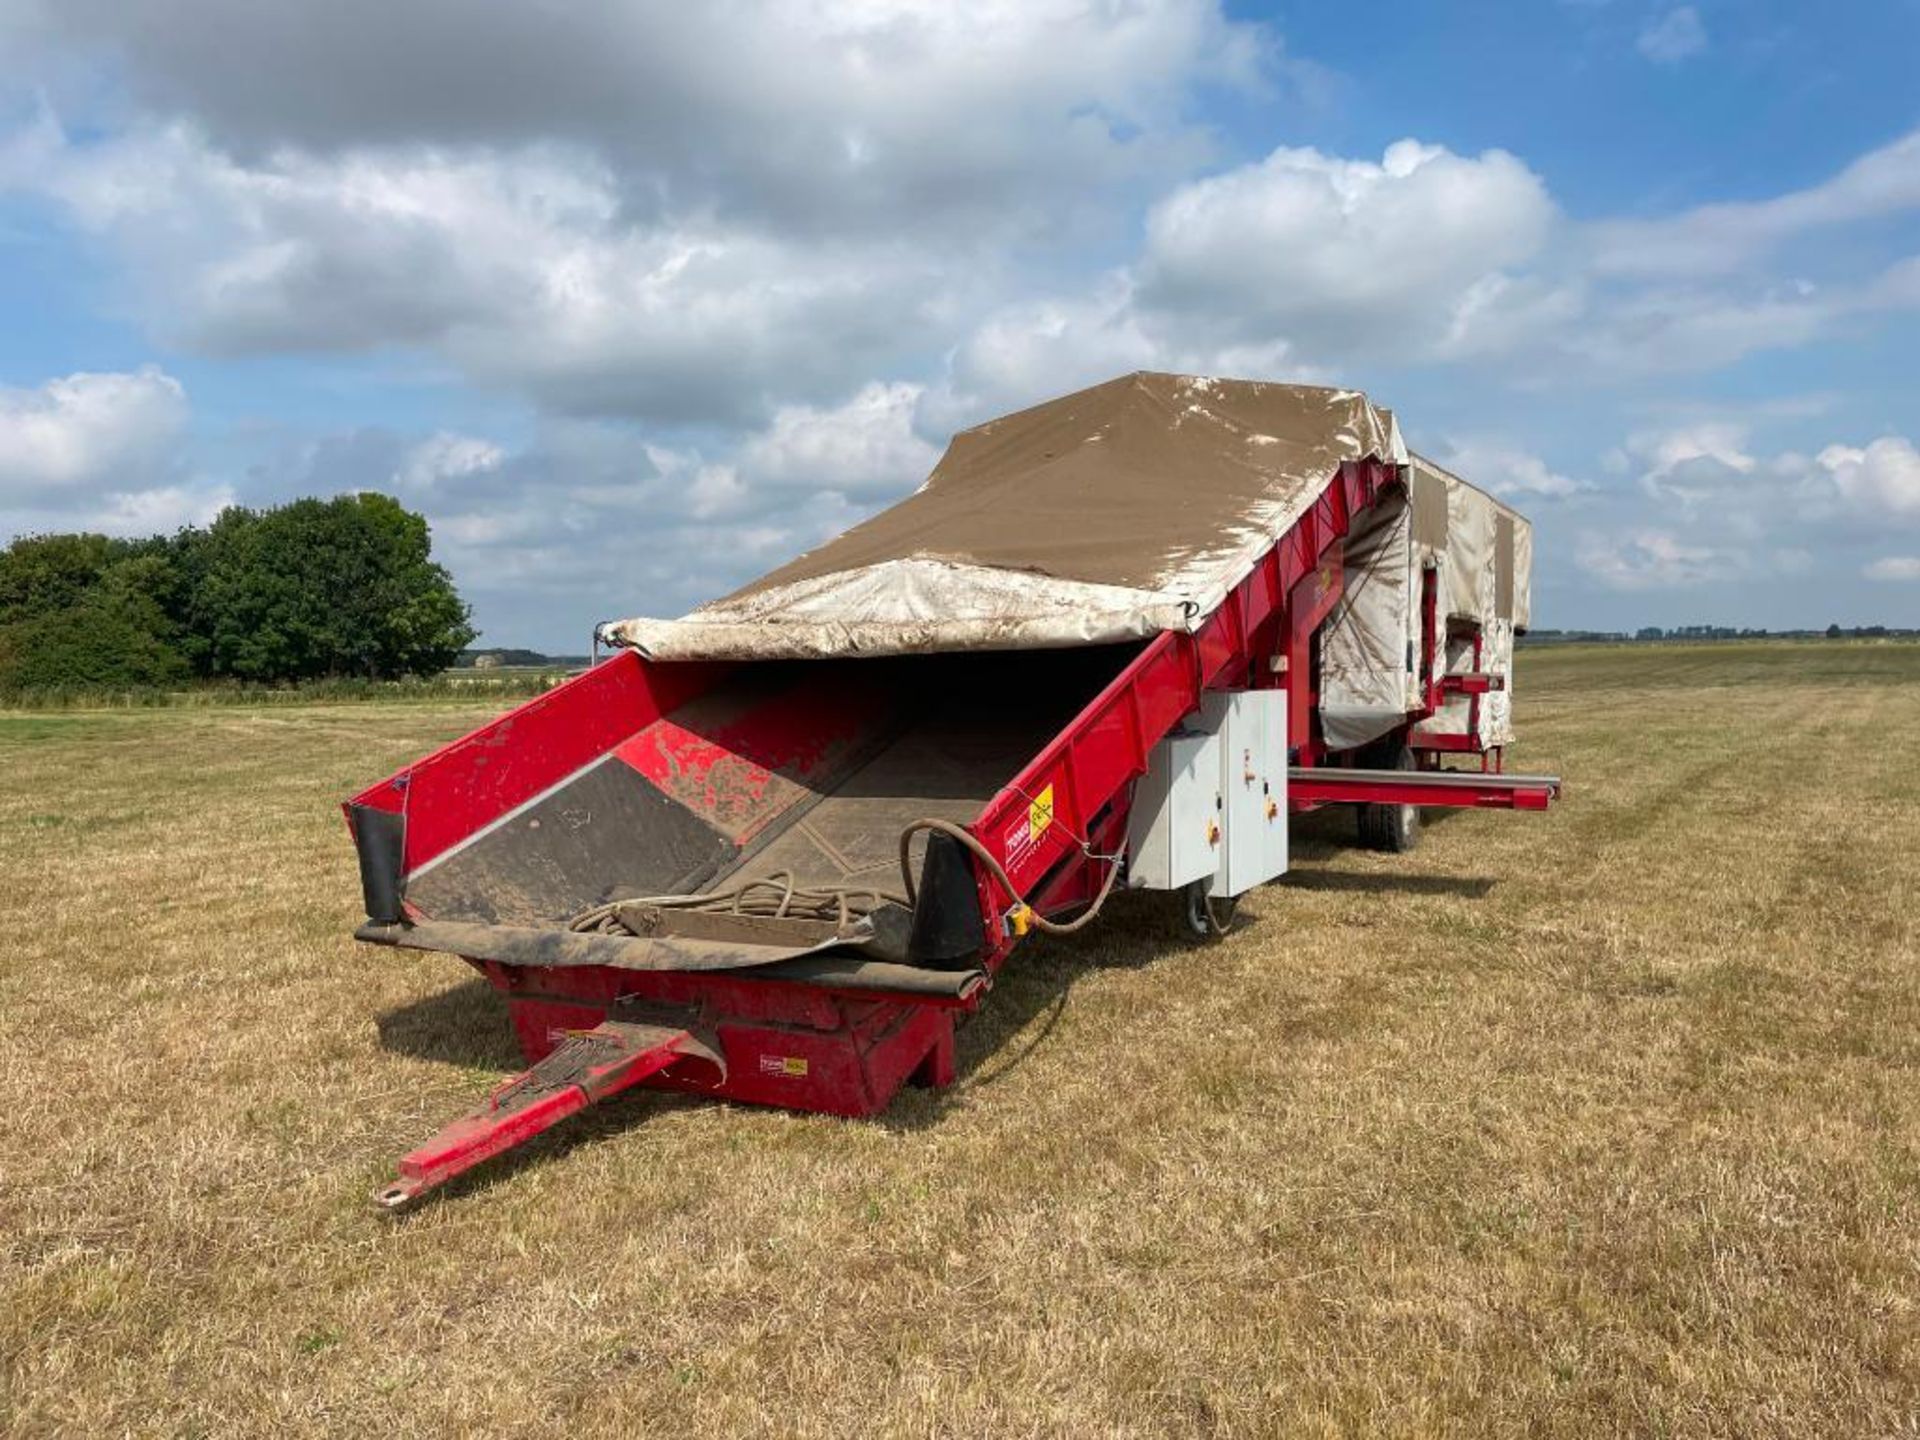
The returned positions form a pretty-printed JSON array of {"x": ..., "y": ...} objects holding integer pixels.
[
  {"x": 447, "y": 456},
  {"x": 1673, "y": 37},
  {"x": 1316, "y": 264},
  {"x": 866, "y": 446},
  {"x": 1714, "y": 239},
  {"x": 1305, "y": 264},
  {"x": 1710, "y": 464},
  {"x": 88, "y": 431},
  {"x": 1509, "y": 470},
  {"x": 1894, "y": 567},
  {"x": 1347, "y": 256},
  {"x": 100, "y": 452},
  {"x": 810, "y": 115},
  {"x": 704, "y": 489},
  {"x": 1881, "y": 480},
  {"x": 1029, "y": 350},
  {"x": 1650, "y": 559},
  {"x": 1731, "y": 513},
  {"x": 522, "y": 268},
  {"x": 1717, "y": 440},
  {"x": 1693, "y": 464},
  {"x": 159, "y": 511}
]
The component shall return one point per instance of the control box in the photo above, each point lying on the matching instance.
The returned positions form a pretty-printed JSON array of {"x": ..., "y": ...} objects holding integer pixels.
[
  {"x": 1253, "y": 788},
  {"x": 1213, "y": 803},
  {"x": 1173, "y": 831}
]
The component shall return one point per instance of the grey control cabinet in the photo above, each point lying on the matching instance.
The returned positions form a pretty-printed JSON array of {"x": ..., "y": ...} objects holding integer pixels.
[
  {"x": 1253, "y": 786},
  {"x": 1213, "y": 803},
  {"x": 1173, "y": 832}
]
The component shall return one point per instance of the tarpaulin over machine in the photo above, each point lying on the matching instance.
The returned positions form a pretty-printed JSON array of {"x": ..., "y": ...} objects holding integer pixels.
[
  {"x": 1480, "y": 553},
  {"x": 1110, "y": 514}
]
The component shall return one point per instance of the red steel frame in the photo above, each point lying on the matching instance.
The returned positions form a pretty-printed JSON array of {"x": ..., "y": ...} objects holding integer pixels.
[{"x": 1055, "y": 827}]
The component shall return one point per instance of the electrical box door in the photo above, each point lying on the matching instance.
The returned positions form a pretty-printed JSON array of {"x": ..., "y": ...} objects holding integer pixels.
[
  {"x": 1252, "y": 727},
  {"x": 1174, "y": 828}
]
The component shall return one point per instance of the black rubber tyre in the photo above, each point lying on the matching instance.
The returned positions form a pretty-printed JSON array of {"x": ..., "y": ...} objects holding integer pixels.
[
  {"x": 1394, "y": 828},
  {"x": 1205, "y": 917}
]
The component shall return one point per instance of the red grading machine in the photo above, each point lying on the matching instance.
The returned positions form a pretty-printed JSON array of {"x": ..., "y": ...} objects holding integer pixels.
[{"x": 1026, "y": 773}]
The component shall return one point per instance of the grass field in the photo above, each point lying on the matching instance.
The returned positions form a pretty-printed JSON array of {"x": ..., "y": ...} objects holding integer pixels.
[{"x": 1604, "y": 1121}]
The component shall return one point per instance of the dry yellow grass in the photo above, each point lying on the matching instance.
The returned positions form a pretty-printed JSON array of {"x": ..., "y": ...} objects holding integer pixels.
[{"x": 1600, "y": 1122}]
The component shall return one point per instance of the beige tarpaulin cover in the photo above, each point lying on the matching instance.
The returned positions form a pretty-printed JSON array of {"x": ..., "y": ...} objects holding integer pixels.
[
  {"x": 1486, "y": 580},
  {"x": 1481, "y": 553},
  {"x": 1109, "y": 514}
]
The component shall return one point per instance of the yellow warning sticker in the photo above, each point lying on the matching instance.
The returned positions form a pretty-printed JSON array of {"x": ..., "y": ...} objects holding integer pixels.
[{"x": 1040, "y": 813}]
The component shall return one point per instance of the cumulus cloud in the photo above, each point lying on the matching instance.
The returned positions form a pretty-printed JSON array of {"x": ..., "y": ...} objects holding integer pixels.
[
  {"x": 522, "y": 268},
  {"x": 159, "y": 511},
  {"x": 88, "y": 431},
  {"x": 1305, "y": 265},
  {"x": 867, "y": 445},
  {"x": 1732, "y": 513},
  {"x": 1508, "y": 470},
  {"x": 1673, "y": 37},
  {"x": 1651, "y": 559},
  {"x": 820, "y": 115},
  {"x": 586, "y": 521},
  {"x": 100, "y": 452},
  {"x": 1893, "y": 567},
  {"x": 1344, "y": 256},
  {"x": 1712, "y": 463},
  {"x": 446, "y": 456},
  {"x": 1882, "y": 478}
]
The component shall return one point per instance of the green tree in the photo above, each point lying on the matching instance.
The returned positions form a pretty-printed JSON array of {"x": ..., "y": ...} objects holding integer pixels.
[
  {"x": 321, "y": 588},
  {"x": 316, "y": 588},
  {"x": 114, "y": 633}
]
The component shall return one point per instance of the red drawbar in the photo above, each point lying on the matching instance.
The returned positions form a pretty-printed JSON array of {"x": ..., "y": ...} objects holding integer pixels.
[{"x": 585, "y": 1067}]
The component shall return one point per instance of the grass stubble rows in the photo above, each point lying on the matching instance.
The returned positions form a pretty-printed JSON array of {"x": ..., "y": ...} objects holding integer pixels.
[{"x": 1598, "y": 1122}]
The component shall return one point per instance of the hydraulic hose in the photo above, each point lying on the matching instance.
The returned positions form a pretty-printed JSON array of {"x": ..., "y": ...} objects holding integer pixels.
[{"x": 998, "y": 871}]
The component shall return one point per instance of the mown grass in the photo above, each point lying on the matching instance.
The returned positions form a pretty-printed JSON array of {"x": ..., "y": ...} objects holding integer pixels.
[
  {"x": 500, "y": 683},
  {"x": 1600, "y": 1122}
]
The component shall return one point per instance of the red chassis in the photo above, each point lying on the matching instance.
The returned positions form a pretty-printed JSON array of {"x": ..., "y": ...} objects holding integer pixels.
[{"x": 842, "y": 1043}]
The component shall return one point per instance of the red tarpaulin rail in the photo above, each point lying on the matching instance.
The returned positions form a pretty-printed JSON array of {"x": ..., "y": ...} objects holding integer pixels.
[{"x": 1333, "y": 785}]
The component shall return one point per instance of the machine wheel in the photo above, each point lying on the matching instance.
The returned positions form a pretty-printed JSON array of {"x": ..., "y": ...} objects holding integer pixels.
[
  {"x": 1394, "y": 828},
  {"x": 1206, "y": 918}
]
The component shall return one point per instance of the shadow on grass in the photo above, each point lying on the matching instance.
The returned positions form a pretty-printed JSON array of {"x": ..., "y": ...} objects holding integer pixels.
[
  {"x": 465, "y": 1026},
  {"x": 597, "y": 1124},
  {"x": 1138, "y": 928},
  {"x": 1471, "y": 887}
]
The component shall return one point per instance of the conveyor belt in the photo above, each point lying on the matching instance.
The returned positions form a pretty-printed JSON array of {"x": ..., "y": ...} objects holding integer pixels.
[{"x": 944, "y": 767}]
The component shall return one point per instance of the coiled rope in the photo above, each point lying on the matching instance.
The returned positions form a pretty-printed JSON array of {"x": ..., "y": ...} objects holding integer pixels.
[{"x": 775, "y": 897}]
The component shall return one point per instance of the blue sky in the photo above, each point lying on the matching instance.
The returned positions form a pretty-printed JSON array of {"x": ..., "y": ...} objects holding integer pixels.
[{"x": 637, "y": 300}]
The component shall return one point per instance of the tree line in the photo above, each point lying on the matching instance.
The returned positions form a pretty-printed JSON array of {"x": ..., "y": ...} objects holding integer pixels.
[{"x": 337, "y": 588}]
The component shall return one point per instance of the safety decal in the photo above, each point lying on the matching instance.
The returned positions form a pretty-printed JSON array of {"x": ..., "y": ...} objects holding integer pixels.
[
  {"x": 1040, "y": 813},
  {"x": 788, "y": 1066}
]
